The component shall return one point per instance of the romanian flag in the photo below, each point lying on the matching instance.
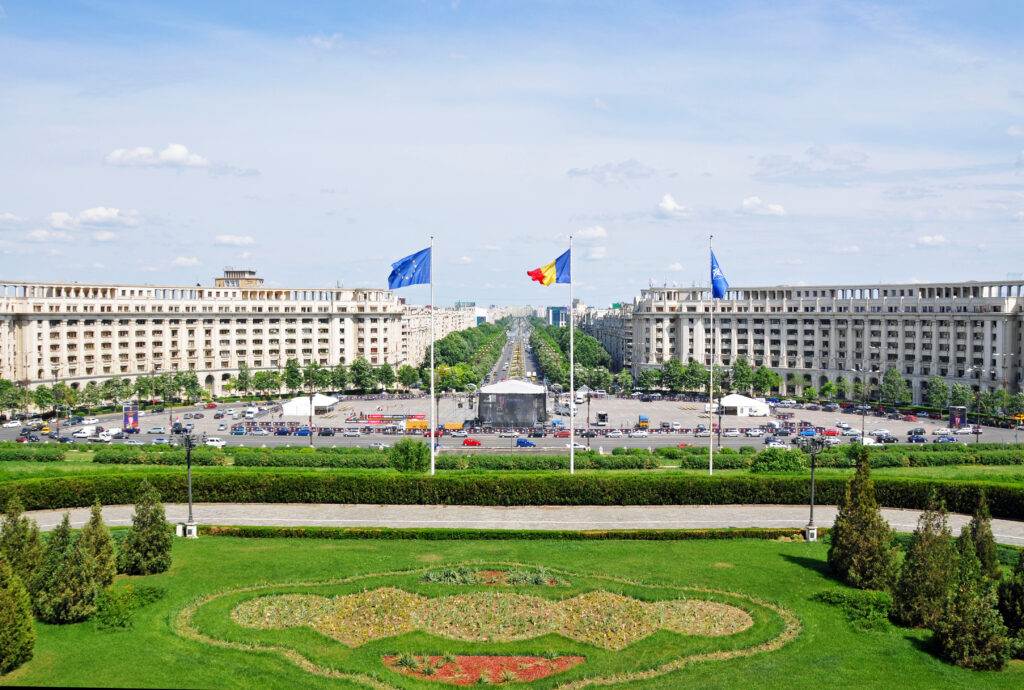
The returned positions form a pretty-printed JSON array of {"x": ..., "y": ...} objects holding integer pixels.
[{"x": 555, "y": 272}]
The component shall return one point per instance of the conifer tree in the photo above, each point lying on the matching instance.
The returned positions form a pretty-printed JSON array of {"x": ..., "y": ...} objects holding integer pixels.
[
  {"x": 984, "y": 542},
  {"x": 147, "y": 548},
  {"x": 970, "y": 632},
  {"x": 65, "y": 589},
  {"x": 95, "y": 540},
  {"x": 928, "y": 569},
  {"x": 862, "y": 553},
  {"x": 1011, "y": 604},
  {"x": 20, "y": 542},
  {"x": 16, "y": 634}
]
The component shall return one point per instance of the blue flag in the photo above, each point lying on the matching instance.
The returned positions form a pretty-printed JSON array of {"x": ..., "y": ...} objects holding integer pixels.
[
  {"x": 718, "y": 282},
  {"x": 412, "y": 270}
]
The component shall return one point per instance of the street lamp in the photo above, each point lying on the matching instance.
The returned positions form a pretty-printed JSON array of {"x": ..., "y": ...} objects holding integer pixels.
[
  {"x": 190, "y": 526},
  {"x": 812, "y": 445}
]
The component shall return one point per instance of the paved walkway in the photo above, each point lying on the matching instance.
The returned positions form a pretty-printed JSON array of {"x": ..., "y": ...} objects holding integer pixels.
[{"x": 525, "y": 517}]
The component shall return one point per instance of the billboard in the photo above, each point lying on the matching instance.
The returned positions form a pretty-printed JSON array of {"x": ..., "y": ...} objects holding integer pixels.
[
  {"x": 957, "y": 416},
  {"x": 130, "y": 416}
]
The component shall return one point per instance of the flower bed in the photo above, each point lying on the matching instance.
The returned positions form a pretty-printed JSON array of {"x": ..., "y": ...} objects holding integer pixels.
[{"x": 468, "y": 670}]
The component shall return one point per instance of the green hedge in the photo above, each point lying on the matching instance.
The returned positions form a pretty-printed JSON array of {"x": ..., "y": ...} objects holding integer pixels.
[
  {"x": 24, "y": 452},
  {"x": 156, "y": 455},
  {"x": 371, "y": 459},
  {"x": 503, "y": 490}
]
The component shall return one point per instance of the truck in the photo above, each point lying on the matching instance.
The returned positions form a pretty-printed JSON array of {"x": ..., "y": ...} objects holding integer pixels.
[
  {"x": 602, "y": 419},
  {"x": 644, "y": 422},
  {"x": 87, "y": 431}
]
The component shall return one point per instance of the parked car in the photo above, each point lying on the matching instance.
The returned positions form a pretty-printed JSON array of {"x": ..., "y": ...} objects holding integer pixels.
[
  {"x": 303, "y": 432},
  {"x": 525, "y": 443},
  {"x": 90, "y": 420},
  {"x": 470, "y": 442},
  {"x": 562, "y": 433},
  {"x": 238, "y": 432},
  {"x": 211, "y": 405},
  {"x": 702, "y": 432},
  {"x": 638, "y": 433},
  {"x": 218, "y": 415},
  {"x": 459, "y": 433},
  {"x": 259, "y": 431},
  {"x": 964, "y": 431},
  {"x": 222, "y": 427},
  {"x": 916, "y": 438},
  {"x": 380, "y": 445},
  {"x": 942, "y": 431},
  {"x": 614, "y": 433},
  {"x": 916, "y": 432},
  {"x": 783, "y": 432},
  {"x": 12, "y": 424},
  {"x": 130, "y": 430},
  {"x": 850, "y": 432},
  {"x": 536, "y": 433},
  {"x": 352, "y": 433},
  {"x": 197, "y": 415},
  {"x": 731, "y": 433},
  {"x": 325, "y": 432},
  {"x": 283, "y": 432},
  {"x": 215, "y": 442},
  {"x": 754, "y": 433},
  {"x": 830, "y": 432},
  {"x": 188, "y": 415},
  {"x": 945, "y": 439},
  {"x": 842, "y": 425},
  {"x": 508, "y": 434}
]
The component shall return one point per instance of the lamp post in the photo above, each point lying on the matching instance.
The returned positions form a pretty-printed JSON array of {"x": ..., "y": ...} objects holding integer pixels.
[
  {"x": 55, "y": 432},
  {"x": 311, "y": 419},
  {"x": 190, "y": 526},
  {"x": 812, "y": 445}
]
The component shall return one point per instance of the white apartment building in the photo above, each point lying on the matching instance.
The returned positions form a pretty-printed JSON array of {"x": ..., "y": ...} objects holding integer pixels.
[
  {"x": 77, "y": 333},
  {"x": 964, "y": 332}
]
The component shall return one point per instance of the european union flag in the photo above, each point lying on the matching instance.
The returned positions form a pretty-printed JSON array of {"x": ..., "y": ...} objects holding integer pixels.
[
  {"x": 412, "y": 270},
  {"x": 719, "y": 284}
]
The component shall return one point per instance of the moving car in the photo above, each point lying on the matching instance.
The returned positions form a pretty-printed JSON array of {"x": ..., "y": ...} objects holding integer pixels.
[
  {"x": 11, "y": 424},
  {"x": 576, "y": 444},
  {"x": 967, "y": 431},
  {"x": 830, "y": 432},
  {"x": 507, "y": 434},
  {"x": 459, "y": 433},
  {"x": 90, "y": 420},
  {"x": 211, "y": 405},
  {"x": 916, "y": 432},
  {"x": 325, "y": 432},
  {"x": 352, "y": 433},
  {"x": 470, "y": 442},
  {"x": 283, "y": 432},
  {"x": 303, "y": 432},
  {"x": 684, "y": 444},
  {"x": 525, "y": 443},
  {"x": 754, "y": 433},
  {"x": 160, "y": 441},
  {"x": 614, "y": 433},
  {"x": 222, "y": 427},
  {"x": 942, "y": 431},
  {"x": 778, "y": 444},
  {"x": 133, "y": 442},
  {"x": 850, "y": 432},
  {"x": 879, "y": 432},
  {"x": 380, "y": 445},
  {"x": 945, "y": 439},
  {"x": 259, "y": 432},
  {"x": 731, "y": 433},
  {"x": 886, "y": 438},
  {"x": 638, "y": 433},
  {"x": 156, "y": 430},
  {"x": 238, "y": 432},
  {"x": 215, "y": 442}
]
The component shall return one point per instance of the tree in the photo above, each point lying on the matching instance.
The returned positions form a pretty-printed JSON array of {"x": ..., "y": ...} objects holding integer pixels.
[
  {"x": 20, "y": 542},
  {"x": 292, "y": 375},
  {"x": 43, "y": 397},
  {"x": 64, "y": 395},
  {"x": 672, "y": 375},
  {"x": 648, "y": 379},
  {"x": 601, "y": 378},
  {"x": 147, "y": 548},
  {"x": 188, "y": 383},
  {"x": 408, "y": 376},
  {"x": 10, "y": 396},
  {"x": 1011, "y": 604},
  {"x": 17, "y": 638},
  {"x": 827, "y": 390},
  {"x": 984, "y": 542},
  {"x": 339, "y": 378},
  {"x": 144, "y": 388},
  {"x": 928, "y": 569},
  {"x": 696, "y": 377},
  {"x": 163, "y": 386},
  {"x": 409, "y": 455},
  {"x": 92, "y": 394},
  {"x": 95, "y": 540},
  {"x": 1015, "y": 404},
  {"x": 266, "y": 381},
  {"x": 243, "y": 381},
  {"x": 862, "y": 553},
  {"x": 894, "y": 388},
  {"x": 624, "y": 380},
  {"x": 66, "y": 590},
  {"x": 765, "y": 380},
  {"x": 960, "y": 395},
  {"x": 970, "y": 632},
  {"x": 742, "y": 374},
  {"x": 842, "y": 388},
  {"x": 362, "y": 374},
  {"x": 385, "y": 375},
  {"x": 810, "y": 393},
  {"x": 936, "y": 392},
  {"x": 314, "y": 376}
]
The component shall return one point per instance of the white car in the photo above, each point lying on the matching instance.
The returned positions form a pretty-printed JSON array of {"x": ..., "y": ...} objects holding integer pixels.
[
  {"x": 133, "y": 442},
  {"x": 942, "y": 431},
  {"x": 639, "y": 433},
  {"x": 259, "y": 432},
  {"x": 787, "y": 403},
  {"x": 230, "y": 410},
  {"x": 352, "y": 433},
  {"x": 380, "y": 445},
  {"x": 702, "y": 433},
  {"x": 81, "y": 433},
  {"x": 879, "y": 432},
  {"x": 461, "y": 433},
  {"x": 614, "y": 433},
  {"x": 850, "y": 432},
  {"x": 576, "y": 444},
  {"x": 507, "y": 434},
  {"x": 215, "y": 442},
  {"x": 156, "y": 430},
  {"x": 104, "y": 437},
  {"x": 731, "y": 433},
  {"x": 754, "y": 433},
  {"x": 90, "y": 420},
  {"x": 11, "y": 424},
  {"x": 964, "y": 431},
  {"x": 842, "y": 425},
  {"x": 778, "y": 444}
]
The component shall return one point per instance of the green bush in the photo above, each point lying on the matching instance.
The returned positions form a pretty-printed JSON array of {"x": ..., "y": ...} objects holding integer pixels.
[
  {"x": 158, "y": 455},
  {"x": 17, "y": 638},
  {"x": 866, "y": 609},
  {"x": 65, "y": 591},
  {"x": 927, "y": 572},
  {"x": 779, "y": 460},
  {"x": 96, "y": 541},
  {"x": 115, "y": 608},
  {"x": 20, "y": 542},
  {"x": 23, "y": 452},
  {"x": 409, "y": 456},
  {"x": 147, "y": 548},
  {"x": 1011, "y": 605}
]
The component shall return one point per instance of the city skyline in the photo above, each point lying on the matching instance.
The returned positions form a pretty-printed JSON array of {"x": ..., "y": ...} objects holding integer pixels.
[{"x": 844, "y": 143}]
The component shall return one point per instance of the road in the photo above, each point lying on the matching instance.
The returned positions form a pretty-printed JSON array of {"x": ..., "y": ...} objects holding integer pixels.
[{"x": 522, "y": 517}]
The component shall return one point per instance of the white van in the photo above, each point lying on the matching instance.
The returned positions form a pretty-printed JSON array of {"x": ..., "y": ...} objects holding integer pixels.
[
  {"x": 250, "y": 412},
  {"x": 85, "y": 432}
]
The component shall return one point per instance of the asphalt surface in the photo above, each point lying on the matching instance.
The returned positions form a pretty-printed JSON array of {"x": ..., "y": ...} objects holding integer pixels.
[{"x": 525, "y": 517}]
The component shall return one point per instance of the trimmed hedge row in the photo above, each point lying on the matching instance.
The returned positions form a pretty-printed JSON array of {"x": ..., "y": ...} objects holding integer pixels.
[
  {"x": 433, "y": 534},
  {"x": 504, "y": 490},
  {"x": 23, "y": 452},
  {"x": 379, "y": 460},
  {"x": 133, "y": 455}
]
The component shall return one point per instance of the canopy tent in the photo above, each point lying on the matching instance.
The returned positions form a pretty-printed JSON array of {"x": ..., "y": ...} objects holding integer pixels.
[
  {"x": 300, "y": 406},
  {"x": 742, "y": 406}
]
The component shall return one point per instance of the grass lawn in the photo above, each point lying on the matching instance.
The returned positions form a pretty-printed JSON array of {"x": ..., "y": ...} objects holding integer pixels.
[{"x": 762, "y": 577}]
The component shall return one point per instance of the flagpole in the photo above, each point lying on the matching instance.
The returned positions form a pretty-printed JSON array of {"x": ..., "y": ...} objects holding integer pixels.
[
  {"x": 572, "y": 371},
  {"x": 433, "y": 399},
  {"x": 711, "y": 387}
]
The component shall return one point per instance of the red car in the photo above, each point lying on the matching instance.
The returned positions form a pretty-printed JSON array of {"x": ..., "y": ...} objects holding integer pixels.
[
  {"x": 470, "y": 442},
  {"x": 830, "y": 432},
  {"x": 437, "y": 432},
  {"x": 210, "y": 406},
  {"x": 910, "y": 418},
  {"x": 562, "y": 433},
  {"x": 684, "y": 444}
]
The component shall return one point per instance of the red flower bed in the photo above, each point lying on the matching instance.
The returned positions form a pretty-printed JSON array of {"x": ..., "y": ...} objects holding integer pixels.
[{"x": 466, "y": 670}]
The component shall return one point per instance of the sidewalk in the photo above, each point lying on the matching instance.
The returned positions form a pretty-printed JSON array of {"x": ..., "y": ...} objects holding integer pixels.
[{"x": 522, "y": 517}]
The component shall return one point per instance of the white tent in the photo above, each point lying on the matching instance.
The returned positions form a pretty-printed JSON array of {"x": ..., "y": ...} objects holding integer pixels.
[
  {"x": 742, "y": 406},
  {"x": 300, "y": 406}
]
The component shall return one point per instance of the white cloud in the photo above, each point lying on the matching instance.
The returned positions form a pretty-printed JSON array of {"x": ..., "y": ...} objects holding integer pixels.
[
  {"x": 491, "y": 248},
  {"x": 104, "y": 236},
  {"x": 61, "y": 220},
  {"x": 322, "y": 42},
  {"x": 42, "y": 235},
  {"x": 615, "y": 173},
  {"x": 92, "y": 217},
  {"x": 10, "y": 219},
  {"x": 174, "y": 156},
  {"x": 599, "y": 104},
  {"x": 1015, "y": 131},
  {"x": 185, "y": 261},
  {"x": 1019, "y": 215},
  {"x": 597, "y": 253},
  {"x": 675, "y": 266},
  {"x": 464, "y": 260},
  {"x": 234, "y": 240},
  {"x": 848, "y": 249},
  {"x": 668, "y": 206},
  {"x": 753, "y": 205},
  {"x": 245, "y": 255},
  {"x": 931, "y": 241},
  {"x": 594, "y": 232}
]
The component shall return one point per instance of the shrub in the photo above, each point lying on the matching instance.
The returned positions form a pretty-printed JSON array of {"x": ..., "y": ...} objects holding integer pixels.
[
  {"x": 927, "y": 573},
  {"x": 115, "y": 608},
  {"x": 778, "y": 460},
  {"x": 95, "y": 540},
  {"x": 984, "y": 542},
  {"x": 1011, "y": 604},
  {"x": 864, "y": 608},
  {"x": 147, "y": 548},
  {"x": 409, "y": 456},
  {"x": 970, "y": 632},
  {"x": 20, "y": 542},
  {"x": 17, "y": 638},
  {"x": 66, "y": 590},
  {"x": 862, "y": 553}
]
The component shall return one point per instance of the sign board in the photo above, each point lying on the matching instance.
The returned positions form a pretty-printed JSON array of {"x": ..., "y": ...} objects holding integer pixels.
[{"x": 130, "y": 416}]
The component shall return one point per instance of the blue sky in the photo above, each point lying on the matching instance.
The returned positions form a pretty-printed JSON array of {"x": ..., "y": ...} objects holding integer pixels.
[{"x": 820, "y": 142}]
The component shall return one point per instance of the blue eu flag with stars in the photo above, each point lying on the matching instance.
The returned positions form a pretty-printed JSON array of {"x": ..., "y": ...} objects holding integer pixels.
[
  {"x": 412, "y": 270},
  {"x": 719, "y": 284}
]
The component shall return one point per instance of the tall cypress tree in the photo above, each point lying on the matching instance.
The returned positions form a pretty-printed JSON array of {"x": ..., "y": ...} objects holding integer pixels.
[
  {"x": 1011, "y": 604},
  {"x": 16, "y": 634},
  {"x": 66, "y": 589},
  {"x": 20, "y": 542},
  {"x": 96, "y": 541},
  {"x": 147, "y": 548},
  {"x": 984, "y": 542},
  {"x": 928, "y": 569},
  {"x": 862, "y": 553}
]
